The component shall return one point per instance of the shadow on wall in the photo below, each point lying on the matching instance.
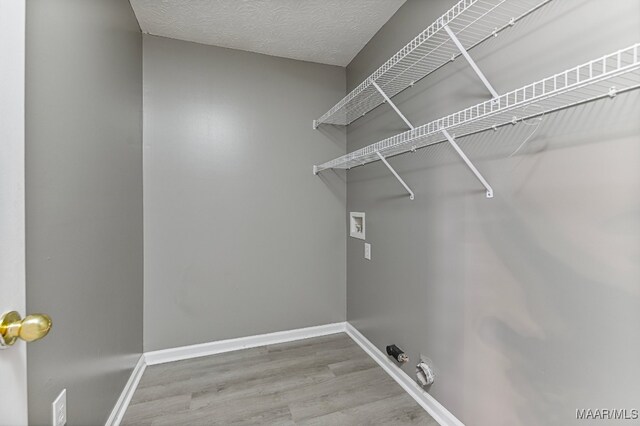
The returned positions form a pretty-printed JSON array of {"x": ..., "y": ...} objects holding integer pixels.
[
  {"x": 333, "y": 133},
  {"x": 562, "y": 298},
  {"x": 571, "y": 252},
  {"x": 335, "y": 180}
]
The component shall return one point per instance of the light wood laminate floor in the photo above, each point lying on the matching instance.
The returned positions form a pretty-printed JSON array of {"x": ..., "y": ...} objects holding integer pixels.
[{"x": 321, "y": 381}]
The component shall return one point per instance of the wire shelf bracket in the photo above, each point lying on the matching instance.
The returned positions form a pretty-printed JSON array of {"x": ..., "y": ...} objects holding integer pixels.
[
  {"x": 471, "y": 62},
  {"x": 471, "y": 21},
  {"x": 469, "y": 164},
  {"x": 386, "y": 163},
  {"x": 390, "y": 102},
  {"x": 384, "y": 160}
]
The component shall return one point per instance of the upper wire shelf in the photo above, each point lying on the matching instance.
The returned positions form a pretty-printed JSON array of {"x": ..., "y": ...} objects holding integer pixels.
[
  {"x": 603, "y": 77},
  {"x": 472, "y": 21}
]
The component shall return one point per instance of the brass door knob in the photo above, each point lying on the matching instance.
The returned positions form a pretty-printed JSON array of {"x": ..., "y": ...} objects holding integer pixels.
[{"x": 31, "y": 328}]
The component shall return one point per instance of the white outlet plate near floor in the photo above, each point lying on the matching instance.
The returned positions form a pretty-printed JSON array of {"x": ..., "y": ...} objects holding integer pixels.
[{"x": 59, "y": 409}]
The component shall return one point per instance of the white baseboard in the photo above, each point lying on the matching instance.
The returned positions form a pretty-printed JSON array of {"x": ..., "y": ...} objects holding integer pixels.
[
  {"x": 125, "y": 397},
  {"x": 212, "y": 348},
  {"x": 426, "y": 401},
  {"x": 433, "y": 407}
]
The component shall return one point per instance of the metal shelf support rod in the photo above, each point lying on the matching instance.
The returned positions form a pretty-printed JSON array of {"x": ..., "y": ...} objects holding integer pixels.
[
  {"x": 386, "y": 163},
  {"x": 390, "y": 102},
  {"x": 471, "y": 61},
  {"x": 469, "y": 163}
]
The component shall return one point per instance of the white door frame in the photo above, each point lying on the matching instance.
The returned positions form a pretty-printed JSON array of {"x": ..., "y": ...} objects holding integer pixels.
[{"x": 13, "y": 360}]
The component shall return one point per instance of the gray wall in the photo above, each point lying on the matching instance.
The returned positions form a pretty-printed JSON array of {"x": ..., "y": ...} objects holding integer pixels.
[
  {"x": 528, "y": 303},
  {"x": 240, "y": 237},
  {"x": 84, "y": 203}
]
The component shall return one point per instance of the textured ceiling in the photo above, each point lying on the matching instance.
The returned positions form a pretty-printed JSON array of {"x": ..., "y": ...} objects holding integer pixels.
[{"x": 325, "y": 31}]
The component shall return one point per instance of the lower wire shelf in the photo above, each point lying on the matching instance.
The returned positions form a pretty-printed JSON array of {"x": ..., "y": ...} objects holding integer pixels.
[{"x": 603, "y": 77}]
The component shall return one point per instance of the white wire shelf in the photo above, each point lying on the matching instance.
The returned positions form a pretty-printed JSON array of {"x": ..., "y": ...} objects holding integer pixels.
[
  {"x": 603, "y": 77},
  {"x": 472, "y": 21}
]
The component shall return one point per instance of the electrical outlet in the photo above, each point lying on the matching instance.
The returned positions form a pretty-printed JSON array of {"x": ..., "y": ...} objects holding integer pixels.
[
  {"x": 59, "y": 409},
  {"x": 367, "y": 251}
]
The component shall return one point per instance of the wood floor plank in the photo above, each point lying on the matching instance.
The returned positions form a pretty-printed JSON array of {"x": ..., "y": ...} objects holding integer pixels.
[
  {"x": 397, "y": 410},
  {"x": 180, "y": 370},
  {"x": 345, "y": 397},
  {"x": 325, "y": 380},
  {"x": 147, "y": 411},
  {"x": 248, "y": 415},
  {"x": 352, "y": 365},
  {"x": 305, "y": 391}
]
